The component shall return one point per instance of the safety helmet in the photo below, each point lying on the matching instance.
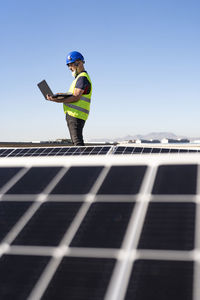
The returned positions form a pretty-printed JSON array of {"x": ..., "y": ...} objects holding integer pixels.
[{"x": 73, "y": 56}]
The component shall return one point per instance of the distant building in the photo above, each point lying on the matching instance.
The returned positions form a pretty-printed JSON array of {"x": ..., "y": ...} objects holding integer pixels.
[
  {"x": 138, "y": 141},
  {"x": 63, "y": 141},
  {"x": 174, "y": 141},
  {"x": 151, "y": 141},
  {"x": 164, "y": 141}
]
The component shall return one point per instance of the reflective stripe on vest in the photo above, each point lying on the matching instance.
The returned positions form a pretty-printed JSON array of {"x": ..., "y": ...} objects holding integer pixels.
[
  {"x": 79, "y": 109},
  {"x": 85, "y": 99}
]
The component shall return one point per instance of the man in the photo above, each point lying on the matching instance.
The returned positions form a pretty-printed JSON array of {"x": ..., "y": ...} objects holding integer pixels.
[{"x": 77, "y": 106}]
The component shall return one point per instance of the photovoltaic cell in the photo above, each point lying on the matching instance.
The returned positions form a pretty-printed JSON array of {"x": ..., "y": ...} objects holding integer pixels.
[
  {"x": 34, "y": 181},
  {"x": 19, "y": 274},
  {"x": 80, "y": 278},
  {"x": 123, "y": 180},
  {"x": 78, "y": 180},
  {"x": 48, "y": 225},
  {"x": 107, "y": 234},
  {"x": 175, "y": 179},
  {"x": 157, "y": 279},
  {"x": 169, "y": 226}
]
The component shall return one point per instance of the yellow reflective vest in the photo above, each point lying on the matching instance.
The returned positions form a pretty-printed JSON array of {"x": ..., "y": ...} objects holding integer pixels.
[{"x": 81, "y": 108}]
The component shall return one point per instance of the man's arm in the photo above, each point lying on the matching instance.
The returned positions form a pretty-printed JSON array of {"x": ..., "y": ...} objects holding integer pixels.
[{"x": 76, "y": 96}]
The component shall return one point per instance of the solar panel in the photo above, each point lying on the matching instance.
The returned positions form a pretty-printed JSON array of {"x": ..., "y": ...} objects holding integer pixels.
[
  {"x": 54, "y": 151},
  {"x": 108, "y": 227},
  {"x": 151, "y": 150},
  {"x": 93, "y": 150}
]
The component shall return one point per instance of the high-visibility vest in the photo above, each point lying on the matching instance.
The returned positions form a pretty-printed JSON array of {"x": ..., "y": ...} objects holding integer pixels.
[{"x": 81, "y": 108}]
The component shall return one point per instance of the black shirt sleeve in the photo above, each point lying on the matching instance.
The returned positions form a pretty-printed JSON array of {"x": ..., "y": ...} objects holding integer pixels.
[{"x": 83, "y": 84}]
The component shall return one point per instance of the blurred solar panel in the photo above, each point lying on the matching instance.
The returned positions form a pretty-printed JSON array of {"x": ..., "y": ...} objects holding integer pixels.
[{"x": 107, "y": 227}]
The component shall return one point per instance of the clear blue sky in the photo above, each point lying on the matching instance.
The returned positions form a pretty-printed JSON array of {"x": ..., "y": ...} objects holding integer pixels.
[{"x": 142, "y": 56}]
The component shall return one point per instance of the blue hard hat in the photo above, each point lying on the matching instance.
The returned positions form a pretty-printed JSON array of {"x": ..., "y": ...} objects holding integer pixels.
[{"x": 73, "y": 56}]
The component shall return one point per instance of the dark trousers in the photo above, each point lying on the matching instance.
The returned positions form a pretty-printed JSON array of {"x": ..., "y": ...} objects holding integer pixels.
[{"x": 75, "y": 129}]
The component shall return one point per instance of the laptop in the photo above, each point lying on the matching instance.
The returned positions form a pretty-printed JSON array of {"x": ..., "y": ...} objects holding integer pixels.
[{"x": 45, "y": 90}]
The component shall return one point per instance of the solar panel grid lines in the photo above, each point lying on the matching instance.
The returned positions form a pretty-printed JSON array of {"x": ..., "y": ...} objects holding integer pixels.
[
  {"x": 48, "y": 274},
  {"x": 6, "y": 152},
  {"x": 51, "y": 268},
  {"x": 163, "y": 256},
  {"x": 84, "y": 209},
  {"x": 46, "y": 277},
  {"x": 51, "y": 185},
  {"x": 119, "y": 282},
  {"x": 22, "y": 222},
  {"x": 67, "y": 259}
]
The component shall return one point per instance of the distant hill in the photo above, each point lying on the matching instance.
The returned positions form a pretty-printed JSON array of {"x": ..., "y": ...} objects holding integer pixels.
[{"x": 149, "y": 136}]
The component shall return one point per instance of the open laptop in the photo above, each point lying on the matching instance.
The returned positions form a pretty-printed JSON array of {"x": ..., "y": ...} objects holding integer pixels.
[{"x": 45, "y": 90}]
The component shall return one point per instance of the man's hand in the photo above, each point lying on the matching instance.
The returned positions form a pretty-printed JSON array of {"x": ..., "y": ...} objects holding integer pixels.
[
  {"x": 49, "y": 98},
  {"x": 57, "y": 96},
  {"x": 59, "y": 99},
  {"x": 74, "y": 98}
]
